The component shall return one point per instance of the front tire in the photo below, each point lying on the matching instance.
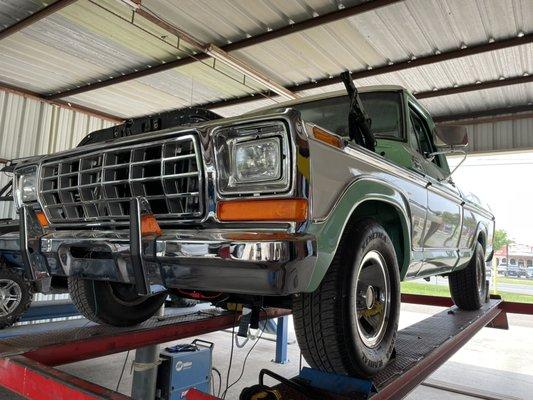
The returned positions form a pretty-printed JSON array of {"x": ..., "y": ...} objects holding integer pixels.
[
  {"x": 349, "y": 324},
  {"x": 468, "y": 286},
  {"x": 112, "y": 303}
]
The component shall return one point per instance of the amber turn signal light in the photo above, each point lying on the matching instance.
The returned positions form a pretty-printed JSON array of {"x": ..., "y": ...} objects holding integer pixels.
[
  {"x": 328, "y": 138},
  {"x": 41, "y": 217},
  {"x": 149, "y": 225},
  {"x": 294, "y": 210}
]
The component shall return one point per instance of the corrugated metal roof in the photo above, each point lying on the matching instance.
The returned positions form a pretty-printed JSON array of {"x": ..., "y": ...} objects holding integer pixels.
[
  {"x": 30, "y": 127},
  {"x": 12, "y": 11},
  {"x": 92, "y": 40}
]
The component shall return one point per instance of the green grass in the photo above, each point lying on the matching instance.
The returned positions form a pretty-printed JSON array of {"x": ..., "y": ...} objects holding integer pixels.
[
  {"x": 443, "y": 291},
  {"x": 518, "y": 281}
]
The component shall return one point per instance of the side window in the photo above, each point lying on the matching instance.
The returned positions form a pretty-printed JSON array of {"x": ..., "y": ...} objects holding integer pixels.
[{"x": 421, "y": 136}]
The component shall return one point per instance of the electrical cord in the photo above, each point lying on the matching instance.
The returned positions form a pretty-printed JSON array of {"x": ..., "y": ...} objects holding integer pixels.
[
  {"x": 231, "y": 354},
  {"x": 122, "y": 372},
  {"x": 240, "y": 345},
  {"x": 219, "y": 380},
  {"x": 247, "y": 355}
]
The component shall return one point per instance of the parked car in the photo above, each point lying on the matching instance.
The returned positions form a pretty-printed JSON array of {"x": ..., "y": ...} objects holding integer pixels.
[
  {"x": 502, "y": 269},
  {"x": 529, "y": 272},
  {"x": 312, "y": 204},
  {"x": 514, "y": 271}
]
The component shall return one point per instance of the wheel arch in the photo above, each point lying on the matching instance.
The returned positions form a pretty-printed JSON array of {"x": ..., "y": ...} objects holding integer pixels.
[
  {"x": 393, "y": 220},
  {"x": 364, "y": 197}
]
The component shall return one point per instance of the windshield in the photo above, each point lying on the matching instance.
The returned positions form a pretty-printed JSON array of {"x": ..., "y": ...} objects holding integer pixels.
[{"x": 384, "y": 108}]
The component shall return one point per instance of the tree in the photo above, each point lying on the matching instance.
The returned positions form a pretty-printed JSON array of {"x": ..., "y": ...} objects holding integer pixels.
[{"x": 501, "y": 238}]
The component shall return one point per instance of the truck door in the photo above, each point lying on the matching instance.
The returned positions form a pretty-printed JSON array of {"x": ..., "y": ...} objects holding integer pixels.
[{"x": 444, "y": 214}]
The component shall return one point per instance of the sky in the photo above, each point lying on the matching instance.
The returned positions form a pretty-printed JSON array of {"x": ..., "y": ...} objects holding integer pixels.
[{"x": 505, "y": 183}]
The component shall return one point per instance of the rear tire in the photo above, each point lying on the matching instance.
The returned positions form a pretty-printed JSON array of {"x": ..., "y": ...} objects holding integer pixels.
[
  {"x": 348, "y": 325},
  {"x": 16, "y": 295},
  {"x": 112, "y": 303},
  {"x": 468, "y": 285}
]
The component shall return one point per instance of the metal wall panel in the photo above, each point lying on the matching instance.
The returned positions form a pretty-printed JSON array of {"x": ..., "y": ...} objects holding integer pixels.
[
  {"x": 512, "y": 135},
  {"x": 30, "y": 127}
]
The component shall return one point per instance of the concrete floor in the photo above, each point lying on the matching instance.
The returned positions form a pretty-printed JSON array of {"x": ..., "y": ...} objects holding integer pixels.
[{"x": 494, "y": 361}]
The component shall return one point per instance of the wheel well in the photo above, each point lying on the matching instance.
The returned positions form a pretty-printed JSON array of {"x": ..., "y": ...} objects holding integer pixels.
[{"x": 387, "y": 216}]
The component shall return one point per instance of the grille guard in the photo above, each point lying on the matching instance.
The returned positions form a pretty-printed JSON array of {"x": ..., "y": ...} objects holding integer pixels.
[{"x": 97, "y": 186}]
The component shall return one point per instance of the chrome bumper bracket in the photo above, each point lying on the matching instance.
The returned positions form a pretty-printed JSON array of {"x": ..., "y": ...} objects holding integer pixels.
[{"x": 138, "y": 206}]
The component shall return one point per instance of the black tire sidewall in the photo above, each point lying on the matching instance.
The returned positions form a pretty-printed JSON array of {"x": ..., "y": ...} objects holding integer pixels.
[
  {"x": 372, "y": 360},
  {"x": 113, "y": 312},
  {"x": 480, "y": 258}
]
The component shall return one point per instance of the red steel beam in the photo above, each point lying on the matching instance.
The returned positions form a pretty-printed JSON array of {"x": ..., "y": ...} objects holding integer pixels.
[
  {"x": 37, "y": 16},
  {"x": 86, "y": 348},
  {"x": 487, "y": 116},
  {"x": 35, "y": 381},
  {"x": 238, "y": 45},
  {"x": 473, "y": 87},
  {"x": 437, "y": 301}
]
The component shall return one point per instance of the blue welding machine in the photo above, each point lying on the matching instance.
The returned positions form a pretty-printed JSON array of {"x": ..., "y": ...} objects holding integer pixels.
[{"x": 183, "y": 367}]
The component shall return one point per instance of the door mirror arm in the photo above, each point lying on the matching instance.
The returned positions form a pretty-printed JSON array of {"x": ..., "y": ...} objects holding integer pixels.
[{"x": 451, "y": 150}]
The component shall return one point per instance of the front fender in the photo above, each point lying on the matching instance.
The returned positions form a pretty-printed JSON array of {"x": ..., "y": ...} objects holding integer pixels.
[{"x": 329, "y": 230}]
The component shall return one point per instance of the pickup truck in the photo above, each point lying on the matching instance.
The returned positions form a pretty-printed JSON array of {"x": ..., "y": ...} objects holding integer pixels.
[
  {"x": 322, "y": 204},
  {"x": 16, "y": 292}
]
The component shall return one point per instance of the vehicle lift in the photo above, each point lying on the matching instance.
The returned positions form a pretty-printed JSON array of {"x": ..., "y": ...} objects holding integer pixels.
[{"x": 27, "y": 361}]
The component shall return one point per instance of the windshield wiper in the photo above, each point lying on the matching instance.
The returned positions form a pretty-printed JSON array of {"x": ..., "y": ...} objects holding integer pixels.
[{"x": 359, "y": 122}]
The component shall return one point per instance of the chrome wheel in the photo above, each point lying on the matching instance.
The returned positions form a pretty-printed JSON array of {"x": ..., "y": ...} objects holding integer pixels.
[
  {"x": 10, "y": 296},
  {"x": 373, "y": 299}
]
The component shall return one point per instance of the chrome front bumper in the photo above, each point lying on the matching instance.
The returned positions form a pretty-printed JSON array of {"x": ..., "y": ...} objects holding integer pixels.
[
  {"x": 221, "y": 260},
  {"x": 235, "y": 262}
]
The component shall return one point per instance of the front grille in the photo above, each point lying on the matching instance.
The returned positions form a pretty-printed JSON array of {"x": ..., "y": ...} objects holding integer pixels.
[{"x": 98, "y": 186}]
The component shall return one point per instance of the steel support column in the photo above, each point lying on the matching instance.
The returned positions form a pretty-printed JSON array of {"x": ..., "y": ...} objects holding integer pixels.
[
  {"x": 282, "y": 339},
  {"x": 145, "y": 369}
]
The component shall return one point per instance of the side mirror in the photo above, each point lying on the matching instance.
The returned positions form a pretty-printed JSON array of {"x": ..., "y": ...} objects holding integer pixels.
[{"x": 451, "y": 136}]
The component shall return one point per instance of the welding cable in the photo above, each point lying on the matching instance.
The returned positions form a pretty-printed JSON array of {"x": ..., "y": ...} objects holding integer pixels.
[{"x": 248, "y": 354}]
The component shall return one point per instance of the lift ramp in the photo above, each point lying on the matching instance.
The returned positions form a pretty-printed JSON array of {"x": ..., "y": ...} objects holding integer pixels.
[
  {"x": 27, "y": 361},
  {"x": 421, "y": 348}
]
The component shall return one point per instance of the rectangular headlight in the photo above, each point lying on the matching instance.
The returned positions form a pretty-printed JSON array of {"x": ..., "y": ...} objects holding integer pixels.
[
  {"x": 257, "y": 160},
  {"x": 253, "y": 158},
  {"x": 25, "y": 186}
]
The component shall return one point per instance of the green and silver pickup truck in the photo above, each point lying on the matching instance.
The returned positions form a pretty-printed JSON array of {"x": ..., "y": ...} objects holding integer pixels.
[{"x": 323, "y": 205}]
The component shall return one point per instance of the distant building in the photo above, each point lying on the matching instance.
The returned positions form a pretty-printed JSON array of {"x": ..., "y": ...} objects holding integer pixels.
[{"x": 516, "y": 255}]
